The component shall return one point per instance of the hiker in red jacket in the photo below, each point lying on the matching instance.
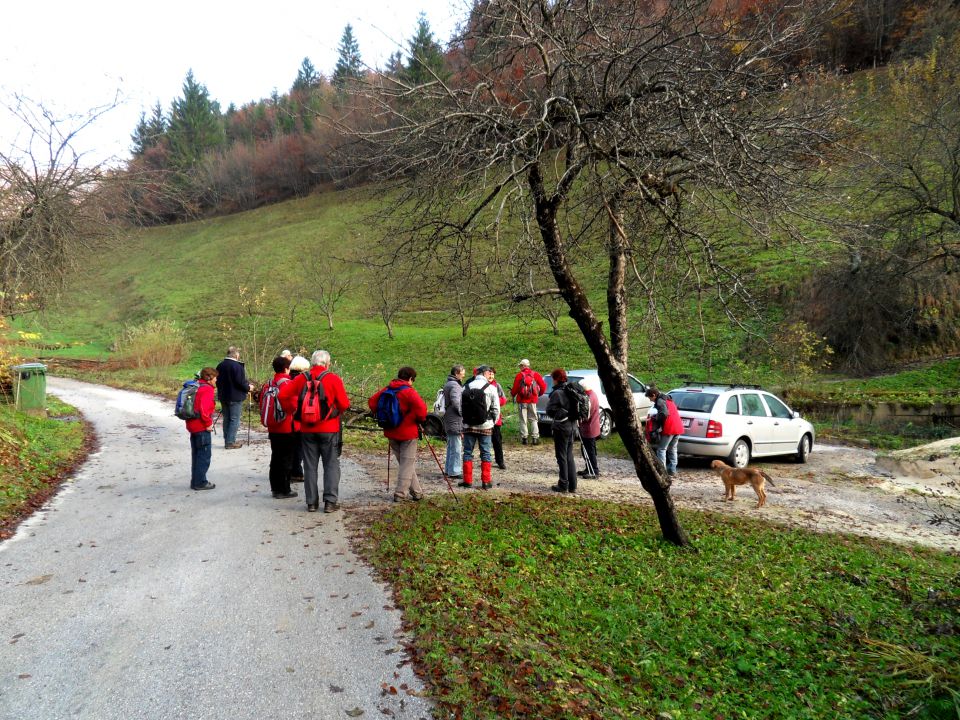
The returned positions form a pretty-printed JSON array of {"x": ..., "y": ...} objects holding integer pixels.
[
  {"x": 403, "y": 438},
  {"x": 320, "y": 437},
  {"x": 527, "y": 388},
  {"x": 281, "y": 436},
  {"x": 199, "y": 428},
  {"x": 667, "y": 428}
]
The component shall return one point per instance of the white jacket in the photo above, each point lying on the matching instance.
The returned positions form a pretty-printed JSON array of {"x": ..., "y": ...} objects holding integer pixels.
[{"x": 493, "y": 403}]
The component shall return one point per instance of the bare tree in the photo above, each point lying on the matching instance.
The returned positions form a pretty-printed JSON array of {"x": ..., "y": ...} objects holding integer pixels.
[
  {"x": 391, "y": 284},
  {"x": 638, "y": 131},
  {"x": 49, "y": 211},
  {"x": 326, "y": 281}
]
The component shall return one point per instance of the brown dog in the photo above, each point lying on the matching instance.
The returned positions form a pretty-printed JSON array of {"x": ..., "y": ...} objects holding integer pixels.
[{"x": 734, "y": 476}]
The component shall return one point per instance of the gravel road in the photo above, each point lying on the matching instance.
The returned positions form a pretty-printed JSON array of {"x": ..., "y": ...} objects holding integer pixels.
[{"x": 131, "y": 596}]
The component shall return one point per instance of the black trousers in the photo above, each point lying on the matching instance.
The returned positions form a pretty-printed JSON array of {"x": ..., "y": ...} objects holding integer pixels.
[
  {"x": 281, "y": 461},
  {"x": 296, "y": 469},
  {"x": 563, "y": 436},
  {"x": 497, "y": 439}
]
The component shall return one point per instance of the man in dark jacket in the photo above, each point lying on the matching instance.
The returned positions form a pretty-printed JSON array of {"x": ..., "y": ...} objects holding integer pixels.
[
  {"x": 563, "y": 410},
  {"x": 232, "y": 389},
  {"x": 453, "y": 421}
]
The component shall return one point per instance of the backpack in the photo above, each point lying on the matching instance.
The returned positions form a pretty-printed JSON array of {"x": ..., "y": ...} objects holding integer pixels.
[
  {"x": 440, "y": 404},
  {"x": 271, "y": 412},
  {"x": 388, "y": 414},
  {"x": 474, "y": 405},
  {"x": 313, "y": 406},
  {"x": 186, "y": 399},
  {"x": 528, "y": 388},
  {"x": 579, "y": 400}
]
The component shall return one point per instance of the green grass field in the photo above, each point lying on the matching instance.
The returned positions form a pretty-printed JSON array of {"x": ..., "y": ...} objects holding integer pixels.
[{"x": 531, "y": 607}]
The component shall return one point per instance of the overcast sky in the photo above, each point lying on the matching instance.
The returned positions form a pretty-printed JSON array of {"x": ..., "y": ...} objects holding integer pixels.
[{"x": 73, "y": 56}]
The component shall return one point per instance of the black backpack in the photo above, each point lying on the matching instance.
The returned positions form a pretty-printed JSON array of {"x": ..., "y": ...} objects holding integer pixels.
[
  {"x": 473, "y": 405},
  {"x": 579, "y": 402}
]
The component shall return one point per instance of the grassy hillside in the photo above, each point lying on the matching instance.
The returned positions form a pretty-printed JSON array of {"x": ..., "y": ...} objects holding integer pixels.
[{"x": 192, "y": 274}]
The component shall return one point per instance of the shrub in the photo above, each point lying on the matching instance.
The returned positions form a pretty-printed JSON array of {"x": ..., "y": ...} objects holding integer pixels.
[{"x": 155, "y": 343}]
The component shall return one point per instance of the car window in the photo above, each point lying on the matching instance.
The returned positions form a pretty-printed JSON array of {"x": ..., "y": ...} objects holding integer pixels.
[
  {"x": 635, "y": 385},
  {"x": 574, "y": 378},
  {"x": 777, "y": 408},
  {"x": 694, "y": 401},
  {"x": 549, "y": 381},
  {"x": 733, "y": 408},
  {"x": 752, "y": 405}
]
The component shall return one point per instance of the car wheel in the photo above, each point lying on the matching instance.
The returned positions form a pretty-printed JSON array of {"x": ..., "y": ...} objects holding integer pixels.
[
  {"x": 740, "y": 456},
  {"x": 803, "y": 449},
  {"x": 433, "y": 426},
  {"x": 606, "y": 424}
]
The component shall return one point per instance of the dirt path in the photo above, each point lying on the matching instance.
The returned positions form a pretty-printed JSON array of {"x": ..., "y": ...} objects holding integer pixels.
[{"x": 841, "y": 489}]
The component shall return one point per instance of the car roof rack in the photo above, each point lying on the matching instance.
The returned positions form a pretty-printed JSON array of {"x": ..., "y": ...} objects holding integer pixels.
[{"x": 723, "y": 385}]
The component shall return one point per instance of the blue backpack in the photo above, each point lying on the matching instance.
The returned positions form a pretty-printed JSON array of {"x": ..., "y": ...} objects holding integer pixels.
[
  {"x": 186, "y": 400},
  {"x": 388, "y": 413}
]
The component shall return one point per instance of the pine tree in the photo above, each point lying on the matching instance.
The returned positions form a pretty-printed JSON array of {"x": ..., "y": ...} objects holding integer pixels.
[
  {"x": 195, "y": 124},
  {"x": 426, "y": 56},
  {"x": 307, "y": 77},
  {"x": 395, "y": 64},
  {"x": 149, "y": 133},
  {"x": 349, "y": 63}
]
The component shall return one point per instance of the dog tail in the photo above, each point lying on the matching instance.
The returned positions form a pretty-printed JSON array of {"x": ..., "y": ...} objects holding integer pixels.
[{"x": 768, "y": 478}]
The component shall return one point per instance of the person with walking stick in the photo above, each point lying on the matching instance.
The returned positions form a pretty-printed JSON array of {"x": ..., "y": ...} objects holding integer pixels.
[
  {"x": 232, "y": 389},
  {"x": 590, "y": 431},
  {"x": 400, "y": 410}
]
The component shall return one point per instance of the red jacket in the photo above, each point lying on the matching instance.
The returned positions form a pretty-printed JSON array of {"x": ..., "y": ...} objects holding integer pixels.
[
  {"x": 412, "y": 407},
  {"x": 206, "y": 404},
  {"x": 286, "y": 426},
  {"x": 332, "y": 387},
  {"x": 590, "y": 428},
  {"x": 539, "y": 385},
  {"x": 503, "y": 400}
]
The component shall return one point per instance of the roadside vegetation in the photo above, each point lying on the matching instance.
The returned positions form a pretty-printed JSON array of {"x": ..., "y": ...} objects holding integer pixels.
[
  {"x": 35, "y": 453},
  {"x": 537, "y": 608}
]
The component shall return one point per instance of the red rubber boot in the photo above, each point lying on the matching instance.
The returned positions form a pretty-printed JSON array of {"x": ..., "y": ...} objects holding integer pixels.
[
  {"x": 485, "y": 475},
  {"x": 467, "y": 474}
]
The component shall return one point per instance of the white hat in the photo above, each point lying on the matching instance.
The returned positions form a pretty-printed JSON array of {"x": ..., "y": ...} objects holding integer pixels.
[
  {"x": 587, "y": 383},
  {"x": 524, "y": 363},
  {"x": 286, "y": 353}
]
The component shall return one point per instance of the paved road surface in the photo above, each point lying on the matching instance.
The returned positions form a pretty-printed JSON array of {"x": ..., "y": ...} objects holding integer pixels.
[{"x": 131, "y": 596}]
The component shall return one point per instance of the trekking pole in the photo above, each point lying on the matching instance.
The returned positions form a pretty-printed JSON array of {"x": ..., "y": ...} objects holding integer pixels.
[
  {"x": 443, "y": 472},
  {"x": 388, "y": 466},
  {"x": 215, "y": 421},
  {"x": 249, "y": 418}
]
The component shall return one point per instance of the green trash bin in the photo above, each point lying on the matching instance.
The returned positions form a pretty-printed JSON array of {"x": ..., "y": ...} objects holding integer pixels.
[{"x": 30, "y": 387}]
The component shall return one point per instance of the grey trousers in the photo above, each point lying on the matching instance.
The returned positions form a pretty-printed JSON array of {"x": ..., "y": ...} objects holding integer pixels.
[
  {"x": 405, "y": 451},
  {"x": 528, "y": 416},
  {"x": 321, "y": 448}
]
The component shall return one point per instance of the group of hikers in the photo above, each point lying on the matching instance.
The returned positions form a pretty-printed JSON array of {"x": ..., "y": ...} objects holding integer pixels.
[{"x": 302, "y": 406}]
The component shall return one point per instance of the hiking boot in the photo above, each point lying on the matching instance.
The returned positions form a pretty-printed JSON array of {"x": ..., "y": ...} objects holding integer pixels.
[
  {"x": 312, "y": 507},
  {"x": 208, "y": 486},
  {"x": 502, "y": 466},
  {"x": 523, "y": 441},
  {"x": 586, "y": 474},
  {"x": 416, "y": 497},
  {"x": 329, "y": 507},
  {"x": 284, "y": 496},
  {"x": 536, "y": 441},
  {"x": 233, "y": 446},
  {"x": 558, "y": 488},
  {"x": 464, "y": 483},
  {"x": 486, "y": 486}
]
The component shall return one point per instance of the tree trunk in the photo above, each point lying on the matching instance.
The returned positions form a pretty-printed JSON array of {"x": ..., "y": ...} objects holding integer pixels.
[
  {"x": 612, "y": 369},
  {"x": 329, "y": 321}
]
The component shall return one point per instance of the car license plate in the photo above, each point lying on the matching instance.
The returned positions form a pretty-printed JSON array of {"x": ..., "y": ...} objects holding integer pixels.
[{"x": 686, "y": 422}]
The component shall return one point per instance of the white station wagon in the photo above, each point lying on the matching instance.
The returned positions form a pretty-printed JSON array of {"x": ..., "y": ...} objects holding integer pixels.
[{"x": 738, "y": 422}]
